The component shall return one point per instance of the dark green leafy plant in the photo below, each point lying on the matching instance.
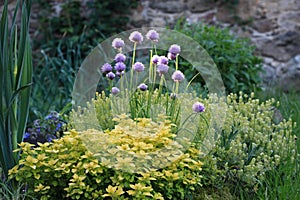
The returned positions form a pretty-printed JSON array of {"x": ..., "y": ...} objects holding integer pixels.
[
  {"x": 53, "y": 79},
  {"x": 234, "y": 57},
  {"x": 64, "y": 41},
  {"x": 15, "y": 77}
]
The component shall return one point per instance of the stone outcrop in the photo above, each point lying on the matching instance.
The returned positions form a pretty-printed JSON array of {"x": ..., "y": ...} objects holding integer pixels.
[{"x": 272, "y": 25}]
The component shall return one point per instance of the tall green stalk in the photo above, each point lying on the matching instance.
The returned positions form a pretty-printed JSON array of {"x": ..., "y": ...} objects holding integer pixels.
[{"x": 15, "y": 79}]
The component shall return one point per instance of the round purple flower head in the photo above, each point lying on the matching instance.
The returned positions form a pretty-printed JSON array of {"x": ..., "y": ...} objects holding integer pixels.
[
  {"x": 163, "y": 60},
  {"x": 136, "y": 36},
  {"x": 162, "y": 69},
  {"x": 119, "y": 74},
  {"x": 155, "y": 59},
  {"x": 119, "y": 66},
  {"x": 143, "y": 87},
  {"x": 198, "y": 107},
  {"x": 174, "y": 49},
  {"x": 152, "y": 35},
  {"x": 118, "y": 43},
  {"x": 177, "y": 76},
  {"x": 138, "y": 67},
  {"x": 111, "y": 75},
  {"x": 120, "y": 57},
  {"x": 171, "y": 56},
  {"x": 106, "y": 68},
  {"x": 115, "y": 90}
]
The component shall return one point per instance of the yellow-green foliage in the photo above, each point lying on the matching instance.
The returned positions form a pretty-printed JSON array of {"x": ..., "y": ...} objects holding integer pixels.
[
  {"x": 250, "y": 144},
  {"x": 66, "y": 169},
  {"x": 100, "y": 111},
  {"x": 103, "y": 111}
]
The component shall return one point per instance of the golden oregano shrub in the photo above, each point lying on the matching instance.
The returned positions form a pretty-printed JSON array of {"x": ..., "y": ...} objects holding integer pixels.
[{"x": 138, "y": 159}]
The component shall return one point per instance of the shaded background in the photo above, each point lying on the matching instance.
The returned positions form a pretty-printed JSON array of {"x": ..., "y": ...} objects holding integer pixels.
[{"x": 63, "y": 32}]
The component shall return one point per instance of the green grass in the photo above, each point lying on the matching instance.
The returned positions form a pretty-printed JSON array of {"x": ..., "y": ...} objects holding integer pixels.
[
  {"x": 284, "y": 182},
  {"x": 7, "y": 192}
]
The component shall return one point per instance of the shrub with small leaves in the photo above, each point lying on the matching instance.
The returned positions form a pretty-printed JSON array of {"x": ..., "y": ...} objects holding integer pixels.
[
  {"x": 66, "y": 169},
  {"x": 251, "y": 143}
]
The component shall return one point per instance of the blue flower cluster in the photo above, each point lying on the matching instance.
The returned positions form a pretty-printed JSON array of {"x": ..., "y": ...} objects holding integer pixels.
[{"x": 45, "y": 130}]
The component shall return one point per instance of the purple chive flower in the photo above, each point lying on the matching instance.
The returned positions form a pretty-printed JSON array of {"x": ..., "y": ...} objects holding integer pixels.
[
  {"x": 155, "y": 59},
  {"x": 118, "y": 43},
  {"x": 136, "y": 36},
  {"x": 171, "y": 56},
  {"x": 177, "y": 76},
  {"x": 198, "y": 107},
  {"x": 119, "y": 74},
  {"x": 163, "y": 60},
  {"x": 162, "y": 69},
  {"x": 120, "y": 57},
  {"x": 138, "y": 67},
  {"x": 110, "y": 75},
  {"x": 143, "y": 87},
  {"x": 106, "y": 68},
  {"x": 115, "y": 90},
  {"x": 174, "y": 49},
  {"x": 152, "y": 35},
  {"x": 119, "y": 66}
]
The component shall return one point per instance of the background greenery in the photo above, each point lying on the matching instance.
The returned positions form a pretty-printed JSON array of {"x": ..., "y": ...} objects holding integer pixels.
[
  {"x": 239, "y": 67},
  {"x": 284, "y": 182},
  {"x": 62, "y": 44}
]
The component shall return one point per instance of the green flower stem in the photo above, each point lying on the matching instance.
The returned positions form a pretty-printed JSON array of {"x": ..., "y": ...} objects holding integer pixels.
[
  {"x": 176, "y": 87},
  {"x": 154, "y": 75},
  {"x": 149, "y": 97},
  {"x": 176, "y": 63},
  {"x": 110, "y": 85},
  {"x": 136, "y": 79},
  {"x": 133, "y": 59},
  {"x": 150, "y": 67},
  {"x": 154, "y": 46},
  {"x": 160, "y": 87}
]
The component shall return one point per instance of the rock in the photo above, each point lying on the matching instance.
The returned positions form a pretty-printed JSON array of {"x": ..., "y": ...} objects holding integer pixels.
[
  {"x": 264, "y": 25},
  {"x": 171, "y": 6},
  {"x": 269, "y": 73},
  {"x": 283, "y": 47},
  {"x": 290, "y": 81},
  {"x": 290, "y": 20},
  {"x": 246, "y": 9},
  {"x": 225, "y": 15},
  {"x": 289, "y": 5},
  {"x": 200, "y": 5},
  {"x": 207, "y": 17},
  {"x": 272, "y": 8},
  {"x": 158, "y": 22}
]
